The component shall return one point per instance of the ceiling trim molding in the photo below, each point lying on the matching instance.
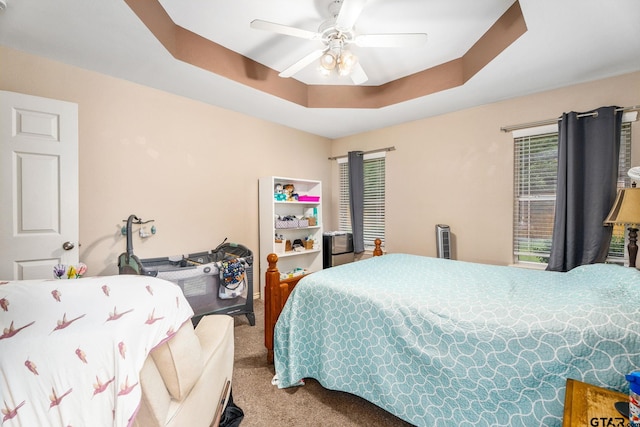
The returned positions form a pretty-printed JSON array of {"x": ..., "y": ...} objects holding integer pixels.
[{"x": 196, "y": 50}]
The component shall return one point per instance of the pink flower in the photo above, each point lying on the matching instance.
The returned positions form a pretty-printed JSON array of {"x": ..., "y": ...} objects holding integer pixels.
[{"x": 81, "y": 268}]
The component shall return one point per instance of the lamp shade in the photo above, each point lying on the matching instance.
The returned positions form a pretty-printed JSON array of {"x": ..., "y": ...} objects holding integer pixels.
[
  {"x": 328, "y": 60},
  {"x": 626, "y": 208}
]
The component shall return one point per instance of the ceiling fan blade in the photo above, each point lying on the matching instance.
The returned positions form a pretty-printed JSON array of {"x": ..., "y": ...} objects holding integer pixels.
[
  {"x": 391, "y": 40},
  {"x": 358, "y": 76},
  {"x": 349, "y": 12},
  {"x": 259, "y": 24},
  {"x": 292, "y": 69}
]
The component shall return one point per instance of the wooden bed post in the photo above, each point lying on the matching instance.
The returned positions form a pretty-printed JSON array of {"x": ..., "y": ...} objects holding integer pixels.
[
  {"x": 378, "y": 250},
  {"x": 276, "y": 292},
  {"x": 271, "y": 311}
]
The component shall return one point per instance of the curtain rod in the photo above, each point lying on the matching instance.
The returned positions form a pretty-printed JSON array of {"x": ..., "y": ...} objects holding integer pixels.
[
  {"x": 552, "y": 121},
  {"x": 366, "y": 152}
]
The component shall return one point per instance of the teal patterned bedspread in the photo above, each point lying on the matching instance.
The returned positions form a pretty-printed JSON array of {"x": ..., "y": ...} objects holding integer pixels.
[{"x": 449, "y": 343}]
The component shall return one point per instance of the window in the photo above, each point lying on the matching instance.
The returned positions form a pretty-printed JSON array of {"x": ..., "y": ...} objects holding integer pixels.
[
  {"x": 374, "y": 198},
  {"x": 536, "y": 166}
]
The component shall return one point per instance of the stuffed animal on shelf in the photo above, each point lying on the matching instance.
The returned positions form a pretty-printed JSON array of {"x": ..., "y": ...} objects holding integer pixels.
[
  {"x": 278, "y": 193},
  {"x": 289, "y": 191}
]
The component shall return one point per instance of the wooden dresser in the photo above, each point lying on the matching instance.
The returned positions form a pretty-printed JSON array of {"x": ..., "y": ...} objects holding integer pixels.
[{"x": 588, "y": 405}]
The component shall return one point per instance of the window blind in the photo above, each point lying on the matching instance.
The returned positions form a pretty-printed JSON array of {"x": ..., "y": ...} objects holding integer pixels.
[
  {"x": 374, "y": 199},
  {"x": 536, "y": 161},
  {"x": 617, "y": 247},
  {"x": 535, "y": 182}
]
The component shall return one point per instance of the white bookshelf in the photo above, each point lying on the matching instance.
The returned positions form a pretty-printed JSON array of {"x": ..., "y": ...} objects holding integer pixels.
[{"x": 270, "y": 209}]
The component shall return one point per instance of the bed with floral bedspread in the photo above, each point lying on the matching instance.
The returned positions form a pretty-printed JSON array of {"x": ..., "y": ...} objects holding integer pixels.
[
  {"x": 71, "y": 350},
  {"x": 449, "y": 343}
]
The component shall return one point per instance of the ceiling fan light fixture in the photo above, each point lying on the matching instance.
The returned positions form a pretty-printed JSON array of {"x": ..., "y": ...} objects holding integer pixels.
[
  {"x": 323, "y": 71},
  {"x": 328, "y": 60},
  {"x": 346, "y": 62}
]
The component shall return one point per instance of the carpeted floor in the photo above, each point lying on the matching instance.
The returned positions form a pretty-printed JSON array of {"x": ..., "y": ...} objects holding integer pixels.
[{"x": 311, "y": 405}]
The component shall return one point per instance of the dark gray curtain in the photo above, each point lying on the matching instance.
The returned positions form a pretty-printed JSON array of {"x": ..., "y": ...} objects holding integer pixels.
[
  {"x": 356, "y": 199},
  {"x": 588, "y": 157}
]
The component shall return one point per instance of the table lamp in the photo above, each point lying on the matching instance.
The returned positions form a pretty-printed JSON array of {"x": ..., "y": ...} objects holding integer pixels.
[{"x": 626, "y": 210}]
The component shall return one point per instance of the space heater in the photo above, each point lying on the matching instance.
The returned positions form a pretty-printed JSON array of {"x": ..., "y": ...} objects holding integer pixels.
[{"x": 443, "y": 241}]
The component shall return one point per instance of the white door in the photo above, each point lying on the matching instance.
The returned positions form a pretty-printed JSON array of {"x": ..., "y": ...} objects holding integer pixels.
[{"x": 38, "y": 185}]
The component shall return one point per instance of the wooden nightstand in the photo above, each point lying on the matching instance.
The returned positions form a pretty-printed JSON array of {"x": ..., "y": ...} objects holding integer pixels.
[{"x": 588, "y": 405}]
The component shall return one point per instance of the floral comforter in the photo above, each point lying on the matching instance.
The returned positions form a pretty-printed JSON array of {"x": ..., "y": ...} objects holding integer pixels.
[{"x": 71, "y": 350}]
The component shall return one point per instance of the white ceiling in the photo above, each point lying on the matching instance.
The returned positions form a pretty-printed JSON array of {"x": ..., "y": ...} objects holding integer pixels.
[{"x": 567, "y": 42}]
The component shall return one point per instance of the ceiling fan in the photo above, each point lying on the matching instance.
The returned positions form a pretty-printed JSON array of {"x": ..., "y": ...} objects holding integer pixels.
[{"x": 337, "y": 33}]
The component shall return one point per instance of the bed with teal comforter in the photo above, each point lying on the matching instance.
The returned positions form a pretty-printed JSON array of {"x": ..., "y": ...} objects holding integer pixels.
[{"x": 449, "y": 343}]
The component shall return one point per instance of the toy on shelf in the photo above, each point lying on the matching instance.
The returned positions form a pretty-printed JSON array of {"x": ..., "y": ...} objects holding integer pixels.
[
  {"x": 296, "y": 272},
  {"x": 278, "y": 193},
  {"x": 289, "y": 191}
]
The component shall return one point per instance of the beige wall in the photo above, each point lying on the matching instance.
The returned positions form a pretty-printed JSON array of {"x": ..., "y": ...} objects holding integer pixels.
[
  {"x": 194, "y": 168},
  {"x": 457, "y": 168},
  {"x": 191, "y": 167}
]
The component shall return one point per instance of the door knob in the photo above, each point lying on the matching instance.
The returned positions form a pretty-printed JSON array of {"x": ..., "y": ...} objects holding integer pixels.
[{"x": 67, "y": 246}]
